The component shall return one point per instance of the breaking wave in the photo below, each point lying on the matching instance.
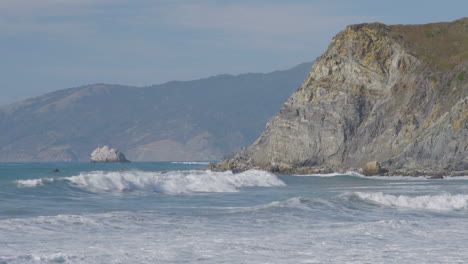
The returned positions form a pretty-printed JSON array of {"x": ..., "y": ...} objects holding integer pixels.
[
  {"x": 173, "y": 182},
  {"x": 33, "y": 183},
  {"x": 431, "y": 202},
  {"x": 295, "y": 203}
]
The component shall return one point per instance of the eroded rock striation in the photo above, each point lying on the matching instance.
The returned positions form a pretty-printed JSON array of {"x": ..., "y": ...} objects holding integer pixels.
[
  {"x": 396, "y": 95},
  {"x": 107, "y": 154}
]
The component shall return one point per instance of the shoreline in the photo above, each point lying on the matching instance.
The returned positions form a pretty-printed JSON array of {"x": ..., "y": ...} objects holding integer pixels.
[{"x": 432, "y": 174}]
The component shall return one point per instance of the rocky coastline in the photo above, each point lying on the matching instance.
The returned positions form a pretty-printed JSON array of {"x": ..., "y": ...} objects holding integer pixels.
[
  {"x": 433, "y": 174},
  {"x": 394, "y": 97}
]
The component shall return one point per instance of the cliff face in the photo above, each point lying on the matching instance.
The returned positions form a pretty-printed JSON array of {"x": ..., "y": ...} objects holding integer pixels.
[{"x": 393, "y": 94}]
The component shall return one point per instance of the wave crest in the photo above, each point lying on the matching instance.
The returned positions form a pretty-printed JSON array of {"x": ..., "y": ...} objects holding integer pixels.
[
  {"x": 431, "y": 202},
  {"x": 174, "y": 182},
  {"x": 33, "y": 182},
  {"x": 295, "y": 203}
]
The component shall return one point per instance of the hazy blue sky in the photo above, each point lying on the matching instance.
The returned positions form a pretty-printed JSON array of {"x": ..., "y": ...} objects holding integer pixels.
[{"x": 48, "y": 45}]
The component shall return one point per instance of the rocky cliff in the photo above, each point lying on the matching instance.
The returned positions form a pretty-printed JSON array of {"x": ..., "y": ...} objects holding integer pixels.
[{"x": 396, "y": 94}]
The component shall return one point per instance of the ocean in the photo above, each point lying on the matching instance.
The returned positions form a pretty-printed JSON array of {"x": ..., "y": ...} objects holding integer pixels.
[{"x": 168, "y": 212}]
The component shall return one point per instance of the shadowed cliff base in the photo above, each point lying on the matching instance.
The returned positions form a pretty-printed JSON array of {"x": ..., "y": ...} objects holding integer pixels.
[{"x": 396, "y": 95}]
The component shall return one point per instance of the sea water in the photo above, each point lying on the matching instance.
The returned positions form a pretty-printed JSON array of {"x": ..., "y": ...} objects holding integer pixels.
[{"x": 165, "y": 212}]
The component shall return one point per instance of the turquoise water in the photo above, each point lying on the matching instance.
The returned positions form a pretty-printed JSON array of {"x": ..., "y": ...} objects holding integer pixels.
[
  {"x": 61, "y": 196},
  {"x": 163, "y": 212}
]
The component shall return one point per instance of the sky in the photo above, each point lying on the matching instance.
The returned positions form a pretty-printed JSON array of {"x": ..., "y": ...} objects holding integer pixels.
[{"x": 47, "y": 45}]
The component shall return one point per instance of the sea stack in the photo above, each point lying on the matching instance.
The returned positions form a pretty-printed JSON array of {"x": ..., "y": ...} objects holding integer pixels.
[
  {"x": 107, "y": 154},
  {"x": 393, "y": 95}
]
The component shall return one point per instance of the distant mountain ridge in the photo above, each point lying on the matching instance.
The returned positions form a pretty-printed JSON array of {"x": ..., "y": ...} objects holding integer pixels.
[{"x": 179, "y": 120}]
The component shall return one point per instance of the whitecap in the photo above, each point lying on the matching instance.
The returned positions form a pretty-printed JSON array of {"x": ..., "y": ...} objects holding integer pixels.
[
  {"x": 297, "y": 203},
  {"x": 431, "y": 202},
  {"x": 174, "y": 182},
  {"x": 33, "y": 182}
]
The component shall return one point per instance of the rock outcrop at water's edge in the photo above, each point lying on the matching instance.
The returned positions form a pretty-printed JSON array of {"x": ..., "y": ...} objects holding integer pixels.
[
  {"x": 107, "y": 154},
  {"x": 396, "y": 95}
]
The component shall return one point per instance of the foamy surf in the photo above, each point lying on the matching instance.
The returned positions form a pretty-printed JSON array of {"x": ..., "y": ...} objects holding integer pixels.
[
  {"x": 442, "y": 202},
  {"x": 333, "y": 174},
  {"x": 377, "y": 177},
  {"x": 191, "y": 162},
  {"x": 295, "y": 203},
  {"x": 41, "y": 258},
  {"x": 33, "y": 182},
  {"x": 174, "y": 182}
]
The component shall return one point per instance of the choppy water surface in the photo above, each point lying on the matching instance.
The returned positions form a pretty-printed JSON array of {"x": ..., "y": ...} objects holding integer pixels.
[{"x": 174, "y": 213}]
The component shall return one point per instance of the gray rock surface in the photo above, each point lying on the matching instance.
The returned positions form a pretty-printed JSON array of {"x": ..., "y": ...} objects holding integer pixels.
[
  {"x": 107, "y": 154},
  {"x": 393, "y": 94}
]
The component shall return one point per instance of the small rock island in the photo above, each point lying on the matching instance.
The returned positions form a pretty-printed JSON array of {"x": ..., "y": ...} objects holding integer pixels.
[{"x": 107, "y": 154}]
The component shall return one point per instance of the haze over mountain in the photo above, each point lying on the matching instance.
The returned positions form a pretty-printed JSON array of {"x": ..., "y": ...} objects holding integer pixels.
[{"x": 190, "y": 120}]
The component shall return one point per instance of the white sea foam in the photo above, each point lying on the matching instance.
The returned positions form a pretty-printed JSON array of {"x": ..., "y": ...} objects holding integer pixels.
[
  {"x": 413, "y": 178},
  {"x": 334, "y": 174},
  {"x": 376, "y": 177},
  {"x": 41, "y": 258},
  {"x": 191, "y": 162},
  {"x": 33, "y": 182},
  {"x": 161, "y": 237},
  {"x": 464, "y": 177},
  {"x": 431, "y": 202},
  {"x": 174, "y": 182},
  {"x": 298, "y": 203},
  {"x": 292, "y": 203},
  {"x": 244, "y": 227}
]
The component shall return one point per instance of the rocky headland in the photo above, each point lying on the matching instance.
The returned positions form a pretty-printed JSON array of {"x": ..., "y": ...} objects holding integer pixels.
[
  {"x": 388, "y": 100},
  {"x": 107, "y": 154}
]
